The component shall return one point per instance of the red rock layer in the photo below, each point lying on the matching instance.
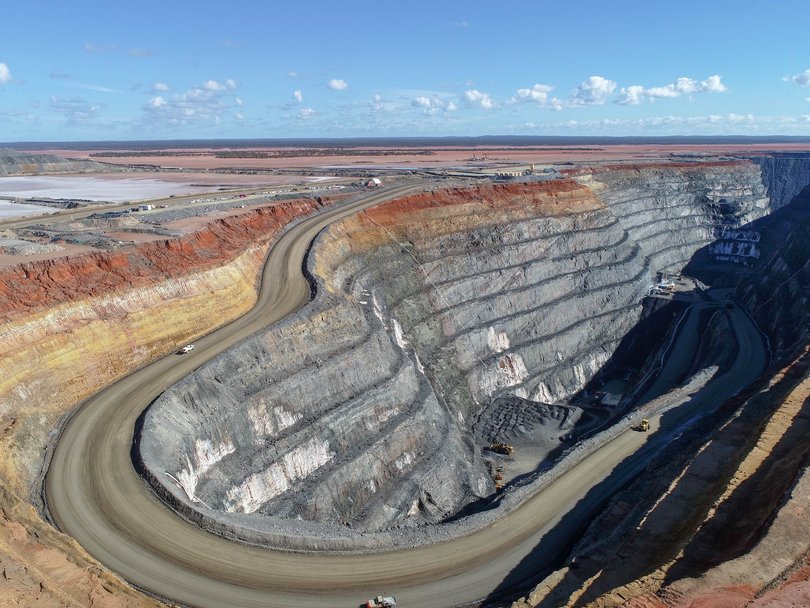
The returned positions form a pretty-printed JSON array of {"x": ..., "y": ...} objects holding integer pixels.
[
  {"x": 495, "y": 196},
  {"x": 34, "y": 286}
]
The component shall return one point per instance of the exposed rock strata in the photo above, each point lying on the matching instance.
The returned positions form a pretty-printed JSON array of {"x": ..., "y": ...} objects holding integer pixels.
[
  {"x": 722, "y": 520},
  {"x": 437, "y": 314},
  {"x": 88, "y": 320},
  {"x": 672, "y": 213},
  {"x": 78, "y": 580},
  {"x": 85, "y": 321}
]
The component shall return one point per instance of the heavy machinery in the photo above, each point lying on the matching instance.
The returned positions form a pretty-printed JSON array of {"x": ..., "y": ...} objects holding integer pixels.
[
  {"x": 643, "y": 426},
  {"x": 381, "y": 602},
  {"x": 501, "y": 448}
]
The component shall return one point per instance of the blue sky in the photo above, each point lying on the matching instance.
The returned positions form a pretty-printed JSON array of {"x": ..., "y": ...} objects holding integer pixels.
[{"x": 177, "y": 69}]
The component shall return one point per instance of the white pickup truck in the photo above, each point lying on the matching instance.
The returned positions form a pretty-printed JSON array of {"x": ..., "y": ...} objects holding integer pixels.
[
  {"x": 186, "y": 349},
  {"x": 381, "y": 602}
]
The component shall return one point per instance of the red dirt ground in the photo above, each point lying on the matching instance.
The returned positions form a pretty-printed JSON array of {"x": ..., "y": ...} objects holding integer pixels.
[{"x": 442, "y": 157}]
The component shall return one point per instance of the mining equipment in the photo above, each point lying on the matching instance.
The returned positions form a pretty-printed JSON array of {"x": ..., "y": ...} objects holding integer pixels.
[
  {"x": 643, "y": 426},
  {"x": 381, "y": 602},
  {"x": 501, "y": 448}
]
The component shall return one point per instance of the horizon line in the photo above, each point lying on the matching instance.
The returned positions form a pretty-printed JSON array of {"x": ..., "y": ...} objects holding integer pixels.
[{"x": 406, "y": 140}]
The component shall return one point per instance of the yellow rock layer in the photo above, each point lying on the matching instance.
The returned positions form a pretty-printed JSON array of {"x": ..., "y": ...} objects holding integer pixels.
[{"x": 81, "y": 346}]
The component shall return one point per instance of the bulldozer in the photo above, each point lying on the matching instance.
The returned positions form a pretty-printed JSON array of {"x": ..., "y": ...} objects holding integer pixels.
[
  {"x": 501, "y": 448},
  {"x": 643, "y": 426}
]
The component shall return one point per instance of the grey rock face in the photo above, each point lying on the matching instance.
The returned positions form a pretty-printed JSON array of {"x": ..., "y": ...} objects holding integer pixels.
[
  {"x": 427, "y": 340},
  {"x": 16, "y": 163},
  {"x": 671, "y": 214}
]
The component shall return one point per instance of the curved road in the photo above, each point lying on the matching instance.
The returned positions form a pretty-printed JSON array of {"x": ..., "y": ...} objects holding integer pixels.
[{"x": 95, "y": 495}]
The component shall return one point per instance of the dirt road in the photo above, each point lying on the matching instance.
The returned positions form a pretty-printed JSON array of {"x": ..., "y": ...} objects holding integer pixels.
[{"x": 96, "y": 496}]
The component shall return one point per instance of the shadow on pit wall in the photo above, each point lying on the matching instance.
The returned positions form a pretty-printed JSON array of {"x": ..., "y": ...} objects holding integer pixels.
[{"x": 783, "y": 238}]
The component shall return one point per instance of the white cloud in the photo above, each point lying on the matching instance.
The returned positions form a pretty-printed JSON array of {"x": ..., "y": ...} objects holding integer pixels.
[
  {"x": 298, "y": 96},
  {"x": 77, "y": 111},
  {"x": 161, "y": 87},
  {"x": 202, "y": 105},
  {"x": 338, "y": 84},
  {"x": 479, "y": 98},
  {"x": 740, "y": 118},
  {"x": 380, "y": 104},
  {"x": 593, "y": 91},
  {"x": 713, "y": 85},
  {"x": 292, "y": 74},
  {"x": 5, "y": 73},
  {"x": 682, "y": 86},
  {"x": 213, "y": 85},
  {"x": 712, "y": 123},
  {"x": 632, "y": 95},
  {"x": 238, "y": 101},
  {"x": 433, "y": 104},
  {"x": 802, "y": 78},
  {"x": 305, "y": 113},
  {"x": 636, "y": 94},
  {"x": 538, "y": 94}
]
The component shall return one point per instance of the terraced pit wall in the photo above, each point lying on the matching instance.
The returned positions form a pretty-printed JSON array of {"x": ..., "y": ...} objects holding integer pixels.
[
  {"x": 719, "y": 517},
  {"x": 441, "y": 320}
]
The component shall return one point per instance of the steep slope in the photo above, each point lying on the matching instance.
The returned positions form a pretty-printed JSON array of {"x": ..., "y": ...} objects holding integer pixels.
[
  {"x": 443, "y": 321},
  {"x": 68, "y": 327},
  {"x": 718, "y": 518}
]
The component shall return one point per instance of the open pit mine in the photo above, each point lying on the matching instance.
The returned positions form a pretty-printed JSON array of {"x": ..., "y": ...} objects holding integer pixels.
[{"x": 455, "y": 414}]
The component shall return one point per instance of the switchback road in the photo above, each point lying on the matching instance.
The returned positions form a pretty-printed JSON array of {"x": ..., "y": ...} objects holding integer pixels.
[{"x": 95, "y": 495}]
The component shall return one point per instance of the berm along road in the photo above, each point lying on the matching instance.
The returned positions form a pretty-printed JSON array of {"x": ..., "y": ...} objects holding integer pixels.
[{"x": 95, "y": 495}]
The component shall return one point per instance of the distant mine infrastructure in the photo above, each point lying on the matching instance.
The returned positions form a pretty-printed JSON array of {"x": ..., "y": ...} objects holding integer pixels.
[{"x": 476, "y": 382}]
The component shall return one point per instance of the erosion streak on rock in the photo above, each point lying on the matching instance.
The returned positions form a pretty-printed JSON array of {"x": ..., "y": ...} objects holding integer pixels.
[{"x": 421, "y": 287}]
